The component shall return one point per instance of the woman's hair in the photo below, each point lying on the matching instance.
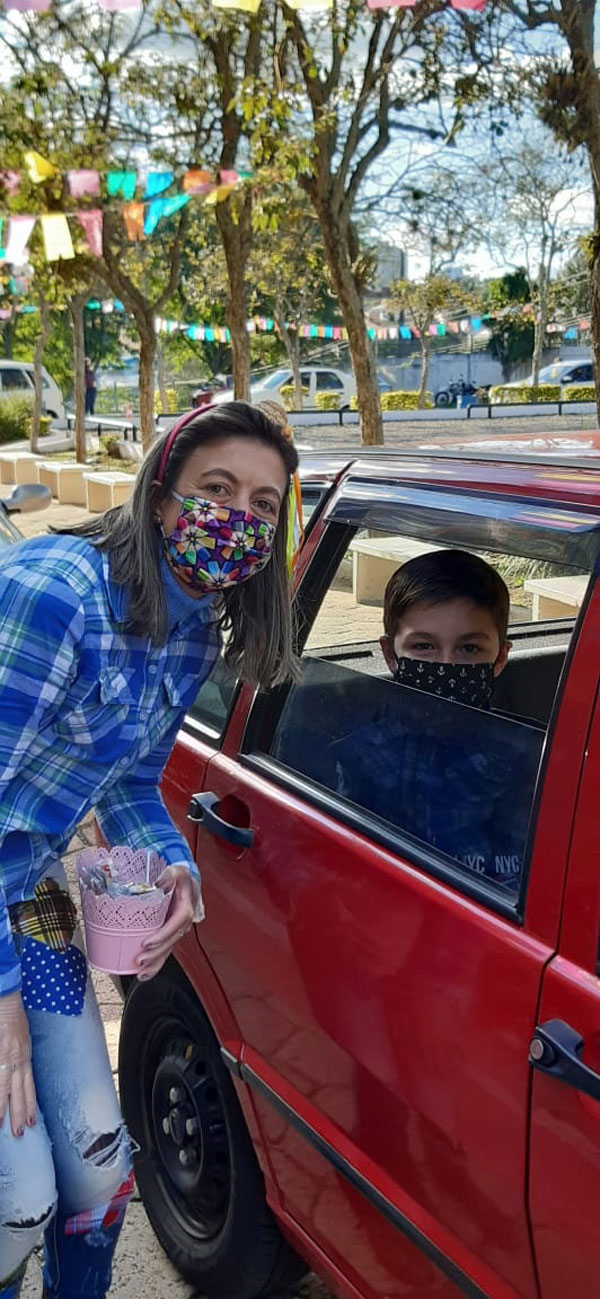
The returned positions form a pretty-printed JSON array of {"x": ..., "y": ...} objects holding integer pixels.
[{"x": 255, "y": 615}]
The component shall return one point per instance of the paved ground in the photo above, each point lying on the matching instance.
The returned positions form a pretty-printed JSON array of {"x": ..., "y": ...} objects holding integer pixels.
[{"x": 141, "y": 1267}]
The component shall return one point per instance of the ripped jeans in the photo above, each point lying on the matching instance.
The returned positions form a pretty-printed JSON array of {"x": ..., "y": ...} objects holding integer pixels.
[{"x": 70, "y": 1175}]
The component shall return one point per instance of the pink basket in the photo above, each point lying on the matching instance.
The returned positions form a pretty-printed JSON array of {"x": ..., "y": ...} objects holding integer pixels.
[{"x": 115, "y": 928}]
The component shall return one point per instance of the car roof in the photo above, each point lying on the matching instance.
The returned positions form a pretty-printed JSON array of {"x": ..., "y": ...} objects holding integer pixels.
[{"x": 570, "y": 481}]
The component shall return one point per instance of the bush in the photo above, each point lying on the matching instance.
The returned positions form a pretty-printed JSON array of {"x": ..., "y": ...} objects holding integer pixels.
[
  {"x": 45, "y": 424},
  {"x": 288, "y": 397},
  {"x": 354, "y": 403},
  {"x": 109, "y": 443},
  {"x": 501, "y": 395},
  {"x": 580, "y": 392},
  {"x": 404, "y": 401},
  {"x": 328, "y": 400},
  {"x": 15, "y": 418},
  {"x": 172, "y": 406}
]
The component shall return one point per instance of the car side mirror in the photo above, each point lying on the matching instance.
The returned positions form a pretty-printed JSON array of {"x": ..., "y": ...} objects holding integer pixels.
[{"x": 28, "y": 497}]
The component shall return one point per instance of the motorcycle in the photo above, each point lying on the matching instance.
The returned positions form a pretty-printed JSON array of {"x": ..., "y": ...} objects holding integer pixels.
[{"x": 449, "y": 396}]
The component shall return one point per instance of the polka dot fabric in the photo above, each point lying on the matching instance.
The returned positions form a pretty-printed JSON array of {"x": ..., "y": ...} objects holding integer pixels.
[{"x": 53, "y": 981}]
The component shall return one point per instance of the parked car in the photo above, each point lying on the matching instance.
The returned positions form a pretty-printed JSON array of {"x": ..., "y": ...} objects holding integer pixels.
[
  {"x": 21, "y": 501},
  {"x": 16, "y": 380},
  {"x": 315, "y": 378},
  {"x": 562, "y": 372},
  {"x": 371, "y": 1059}
]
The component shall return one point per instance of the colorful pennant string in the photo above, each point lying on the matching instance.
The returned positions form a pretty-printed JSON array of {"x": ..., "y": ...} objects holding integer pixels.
[
  {"x": 58, "y": 244},
  {"x": 246, "y": 6}
]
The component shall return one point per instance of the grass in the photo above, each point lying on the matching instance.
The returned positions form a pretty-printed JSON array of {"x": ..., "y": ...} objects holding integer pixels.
[{"x": 112, "y": 464}]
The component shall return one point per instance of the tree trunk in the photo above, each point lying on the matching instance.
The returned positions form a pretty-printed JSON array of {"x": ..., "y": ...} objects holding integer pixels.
[
  {"x": 291, "y": 342},
  {"x": 38, "y": 357},
  {"x": 236, "y": 239},
  {"x": 147, "y": 333},
  {"x": 335, "y": 238},
  {"x": 425, "y": 356},
  {"x": 162, "y": 382},
  {"x": 76, "y": 309},
  {"x": 540, "y": 325},
  {"x": 594, "y": 264}
]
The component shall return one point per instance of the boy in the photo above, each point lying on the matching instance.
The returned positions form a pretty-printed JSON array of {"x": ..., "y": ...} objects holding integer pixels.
[{"x": 456, "y": 779}]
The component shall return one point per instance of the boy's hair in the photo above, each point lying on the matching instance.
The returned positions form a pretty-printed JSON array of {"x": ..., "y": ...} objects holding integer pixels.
[{"x": 442, "y": 575}]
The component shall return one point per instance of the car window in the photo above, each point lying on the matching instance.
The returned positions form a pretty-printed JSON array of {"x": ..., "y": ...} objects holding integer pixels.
[
  {"x": 305, "y": 377},
  {"x": 211, "y": 706},
  {"x": 449, "y": 783},
  {"x": 8, "y": 533},
  {"x": 327, "y": 381},
  {"x": 12, "y": 378},
  {"x": 274, "y": 380},
  {"x": 580, "y": 374}
]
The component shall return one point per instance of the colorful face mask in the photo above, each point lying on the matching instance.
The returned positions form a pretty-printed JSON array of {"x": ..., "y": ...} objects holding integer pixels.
[
  {"x": 214, "y": 546},
  {"x": 466, "y": 683}
]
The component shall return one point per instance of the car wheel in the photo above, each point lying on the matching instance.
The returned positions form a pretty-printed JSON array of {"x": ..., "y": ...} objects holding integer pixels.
[
  {"x": 196, "y": 1169},
  {"x": 443, "y": 398}
]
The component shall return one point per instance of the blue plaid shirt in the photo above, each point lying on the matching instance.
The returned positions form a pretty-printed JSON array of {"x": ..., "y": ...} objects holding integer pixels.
[{"x": 89, "y": 713}]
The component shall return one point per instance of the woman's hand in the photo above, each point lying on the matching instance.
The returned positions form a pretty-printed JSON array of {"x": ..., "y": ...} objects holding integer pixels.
[
  {"x": 17, "y": 1088},
  {"x": 186, "y": 909}
]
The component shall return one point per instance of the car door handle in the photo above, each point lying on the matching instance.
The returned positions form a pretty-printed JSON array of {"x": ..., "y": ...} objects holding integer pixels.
[
  {"x": 555, "y": 1049},
  {"x": 202, "y": 812}
]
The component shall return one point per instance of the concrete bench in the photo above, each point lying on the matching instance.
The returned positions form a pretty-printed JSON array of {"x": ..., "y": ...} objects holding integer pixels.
[
  {"x": 48, "y": 474},
  {"x": 72, "y": 484},
  {"x": 374, "y": 559},
  {"x": 555, "y": 597},
  {"x": 104, "y": 491},
  {"x": 18, "y": 467}
]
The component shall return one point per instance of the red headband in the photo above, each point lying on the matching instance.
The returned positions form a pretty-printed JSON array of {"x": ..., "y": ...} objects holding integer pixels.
[{"x": 186, "y": 419}]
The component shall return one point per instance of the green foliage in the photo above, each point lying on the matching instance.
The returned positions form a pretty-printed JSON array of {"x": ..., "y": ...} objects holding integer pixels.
[
  {"x": 354, "y": 403},
  {"x": 502, "y": 395},
  {"x": 172, "y": 402},
  {"x": 15, "y": 418},
  {"x": 404, "y": 401},
  {"x": 580, "y": 392},
  {"x": 45, "y": 425},
  {"x": 328, "y": 400},
  {"x": 512, "y": 331},
  {"x": 109, "y": 443},
  {"x": 288, "y": 395}
]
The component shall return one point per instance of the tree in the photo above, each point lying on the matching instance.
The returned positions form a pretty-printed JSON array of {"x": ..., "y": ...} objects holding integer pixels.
[
  {"x": 512, "y": 329},
  {"x": 565, "y": 87},
  {"x": 369, "y": 78},
  {"x": 287, "y": 271},
  {"x": 535, "y": 194},
  {"x": 423, "y": 301}
]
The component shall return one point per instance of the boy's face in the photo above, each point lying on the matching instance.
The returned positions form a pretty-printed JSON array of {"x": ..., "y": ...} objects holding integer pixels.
[{"x": 456, "y": 631}]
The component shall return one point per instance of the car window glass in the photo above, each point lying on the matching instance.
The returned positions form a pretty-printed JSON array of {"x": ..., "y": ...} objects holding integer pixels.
[
  {"x": 439, "y": 773},
  {"x": 14, "y": 378},
  {"x": 213, "y": 701},
  {"x": 305, "y": 378},
  {"x": 328, "y": 382},
  {"x": 274, "y": 380}
]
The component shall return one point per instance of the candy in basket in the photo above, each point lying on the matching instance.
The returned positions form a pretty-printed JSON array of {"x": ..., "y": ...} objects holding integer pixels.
[{"x": 121, "y": 904}]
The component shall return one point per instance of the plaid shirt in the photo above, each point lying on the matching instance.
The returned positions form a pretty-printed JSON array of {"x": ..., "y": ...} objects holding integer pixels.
[{"x": 89, "y": 714}]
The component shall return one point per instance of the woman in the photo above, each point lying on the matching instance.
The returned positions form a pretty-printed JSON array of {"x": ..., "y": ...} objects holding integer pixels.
[{"x": 106, "y": 635}]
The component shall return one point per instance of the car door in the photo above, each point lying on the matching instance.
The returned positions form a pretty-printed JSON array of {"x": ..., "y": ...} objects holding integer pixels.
[
  {"x": 565, "y": 1051},
  {"x": 385, "y": 996}
]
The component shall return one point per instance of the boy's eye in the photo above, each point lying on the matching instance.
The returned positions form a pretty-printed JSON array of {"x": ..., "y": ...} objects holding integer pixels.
[
  {"x": 423, "y": 646},
  {"x": 470, "y": 649}
]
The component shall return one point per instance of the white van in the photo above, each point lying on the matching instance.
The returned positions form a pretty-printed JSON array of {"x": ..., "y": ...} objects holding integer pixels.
[{"x": 16, "y": 380}]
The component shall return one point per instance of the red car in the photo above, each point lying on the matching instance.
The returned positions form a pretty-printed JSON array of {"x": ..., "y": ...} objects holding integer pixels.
[{"x": 372, "y": 1060}]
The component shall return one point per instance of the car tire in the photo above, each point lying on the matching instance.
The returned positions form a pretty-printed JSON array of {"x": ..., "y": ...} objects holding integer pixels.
[
  {"x": 443, "y": 398},
  {"x": 196, "y": 1169}
]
